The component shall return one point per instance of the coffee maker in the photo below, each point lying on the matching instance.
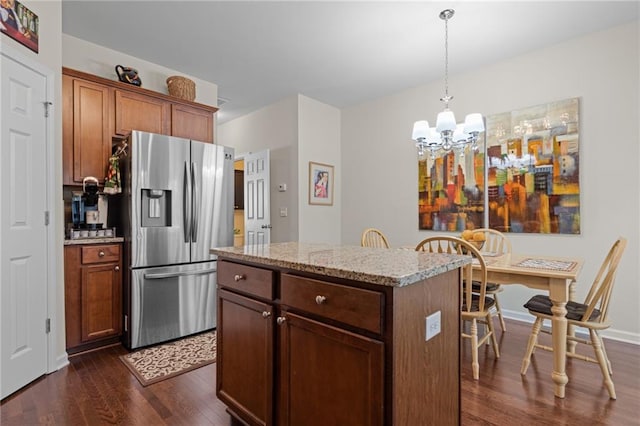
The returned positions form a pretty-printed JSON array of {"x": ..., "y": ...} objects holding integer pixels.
[{"x": 88, "y": 208}]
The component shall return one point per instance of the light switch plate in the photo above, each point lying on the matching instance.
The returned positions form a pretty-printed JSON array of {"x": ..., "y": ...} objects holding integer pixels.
[{"x": 432, "y": 325}]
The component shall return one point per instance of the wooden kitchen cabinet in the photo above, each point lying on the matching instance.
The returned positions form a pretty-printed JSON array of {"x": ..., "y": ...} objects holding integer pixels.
[
  {"x": 86, "y": 131},
  {"x": 94, "y": 109},
  {"x": 192, "y": 123},
  {"x": 299, "y": 348},
  {"x": 245, "y": 379},
  {"x": 93, "y": 295},
  {"x": 327, "y": 374},
  {"x": 140, "y": 112}
]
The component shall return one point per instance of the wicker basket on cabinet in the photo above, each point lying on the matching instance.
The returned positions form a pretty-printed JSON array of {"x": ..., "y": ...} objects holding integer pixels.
[{"x": 181, "y": 87}]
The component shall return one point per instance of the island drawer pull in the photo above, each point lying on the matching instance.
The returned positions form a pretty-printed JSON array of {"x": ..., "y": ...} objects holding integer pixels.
[
  {"x": 238, "y": 277},
  {"x": 320, "y": 299},
  {"x": 266, "y": 314},
  {"x": 101, "y": 254}
]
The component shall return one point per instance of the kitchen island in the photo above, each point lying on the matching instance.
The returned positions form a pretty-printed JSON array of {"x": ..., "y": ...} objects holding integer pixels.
[{"x": 318, "y": 334}]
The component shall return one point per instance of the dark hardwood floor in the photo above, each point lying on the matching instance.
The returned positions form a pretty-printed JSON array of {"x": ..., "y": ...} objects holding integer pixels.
[{"x": 97, "y": 389}]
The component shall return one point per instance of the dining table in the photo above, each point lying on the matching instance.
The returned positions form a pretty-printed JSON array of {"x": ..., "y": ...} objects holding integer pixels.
[{"x": 555, "y": 275}]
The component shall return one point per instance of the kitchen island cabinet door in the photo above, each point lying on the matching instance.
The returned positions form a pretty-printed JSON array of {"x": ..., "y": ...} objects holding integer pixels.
[
  {"x": 328, "y": 376},
  {"x": 244, "y": 366},
  {"x": 85, "y": 130},
  {"x": 135, "y": 111}
]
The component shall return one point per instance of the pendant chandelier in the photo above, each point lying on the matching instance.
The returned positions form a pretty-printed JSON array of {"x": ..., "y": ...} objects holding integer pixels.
[{"x": 447, "y": 135}]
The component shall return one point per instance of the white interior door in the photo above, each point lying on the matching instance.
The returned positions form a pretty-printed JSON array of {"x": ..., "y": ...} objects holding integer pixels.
[
  {"x": 257, "y": 195},
  {"x": 23, "y": 234}
]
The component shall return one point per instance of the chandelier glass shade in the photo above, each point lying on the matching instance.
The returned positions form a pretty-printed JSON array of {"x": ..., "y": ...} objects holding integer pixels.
[{"x": 447, "y": 135}]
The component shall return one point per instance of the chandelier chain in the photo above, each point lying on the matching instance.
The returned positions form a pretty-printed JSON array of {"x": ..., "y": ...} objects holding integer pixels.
[{"x": 446, "y": 61}]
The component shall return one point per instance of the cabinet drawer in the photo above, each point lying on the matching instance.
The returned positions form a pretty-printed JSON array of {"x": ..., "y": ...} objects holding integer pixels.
[
  {"x": 247, "y": 279},
  {"x": 354, "y": 306},
  {"x": 101, "y": 254}
]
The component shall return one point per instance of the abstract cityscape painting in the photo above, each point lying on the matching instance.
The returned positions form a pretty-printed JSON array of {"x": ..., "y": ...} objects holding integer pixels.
[
  {"x": 451, "y": 190},
  {"x": 533, "y": 168}
]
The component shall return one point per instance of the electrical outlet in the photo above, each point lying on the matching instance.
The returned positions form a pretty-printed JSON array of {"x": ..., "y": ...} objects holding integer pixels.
[{"x": 432, "y": 325}]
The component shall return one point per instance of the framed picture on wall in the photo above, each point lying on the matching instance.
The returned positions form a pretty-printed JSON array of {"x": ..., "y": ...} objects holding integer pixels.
[
  {"x": 321, "y": 184},
  {"x": 19, "y": 23}
]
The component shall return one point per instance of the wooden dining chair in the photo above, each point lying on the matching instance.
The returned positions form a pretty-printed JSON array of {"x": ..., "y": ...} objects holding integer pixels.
[
  {"x": 476, "y": 305},
  {"x": 372, "y": 237},
  {"x": 495, "y": 242},
  {"x": 591, "y": 314}
]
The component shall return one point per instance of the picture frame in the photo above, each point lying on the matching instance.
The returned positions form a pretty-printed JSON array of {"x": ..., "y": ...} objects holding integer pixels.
[
  {"x": 20, "y": 23},
  {"x": 321, "y": 177}
]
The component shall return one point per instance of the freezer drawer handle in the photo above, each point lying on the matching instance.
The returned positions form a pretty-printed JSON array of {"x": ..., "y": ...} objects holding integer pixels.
[{"x": 178, "y": 274}]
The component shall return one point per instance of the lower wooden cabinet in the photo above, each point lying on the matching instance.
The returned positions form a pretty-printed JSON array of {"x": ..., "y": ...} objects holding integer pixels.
[
  {"x": 245, "y": 379},
  {"x": 328, "y": 376},
  {"x": 93, "y": 295},
  {"x": 307, "y": 350}
]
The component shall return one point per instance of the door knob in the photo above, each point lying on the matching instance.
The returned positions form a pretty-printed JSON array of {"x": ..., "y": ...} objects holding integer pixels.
[{"x": 117, "y": 268}]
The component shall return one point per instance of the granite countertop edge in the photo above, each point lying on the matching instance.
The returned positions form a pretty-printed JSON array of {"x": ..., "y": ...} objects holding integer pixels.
[
  {"x": 358, "y": 270},
  {"x": 97, "y": 240}
]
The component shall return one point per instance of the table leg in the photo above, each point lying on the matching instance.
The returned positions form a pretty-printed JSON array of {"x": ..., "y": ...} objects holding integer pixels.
[
  {"x": 571, "y": 344},
  {"x": 558, "y": 292}
]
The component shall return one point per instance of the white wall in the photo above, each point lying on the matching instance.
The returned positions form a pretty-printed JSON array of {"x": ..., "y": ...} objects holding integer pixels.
[
  {"x": 94, "y": 59},
  {"x": 318, "y": 141},
  {"x": 274, "y": 127},
  {"x": 380, "y": 185},
  {"x": 297, "y": 130}
]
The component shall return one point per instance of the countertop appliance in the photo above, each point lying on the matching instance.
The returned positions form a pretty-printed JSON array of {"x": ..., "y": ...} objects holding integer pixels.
[{"x": 176, "y": 204}]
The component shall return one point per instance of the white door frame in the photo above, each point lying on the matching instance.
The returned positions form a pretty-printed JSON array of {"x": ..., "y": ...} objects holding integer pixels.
[{"x": 53, "y": 261}]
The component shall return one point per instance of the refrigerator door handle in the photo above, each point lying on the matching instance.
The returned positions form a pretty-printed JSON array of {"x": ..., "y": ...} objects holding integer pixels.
[
  {"x": 186, "y": 204},
  {"x": 178, "y": 274},
  {"x": 196, "y": 207}
]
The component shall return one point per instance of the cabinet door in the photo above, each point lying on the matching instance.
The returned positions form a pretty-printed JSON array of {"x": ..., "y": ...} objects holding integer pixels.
[
  {"x": 192, "y": 123},
  {"x": 328, "y": 376},
  {"x": 245, "y": 357},
  {"x": 135, "y": 111},
  {"x": 101, "y": 301},
  {"x": 86, "y": 130}
]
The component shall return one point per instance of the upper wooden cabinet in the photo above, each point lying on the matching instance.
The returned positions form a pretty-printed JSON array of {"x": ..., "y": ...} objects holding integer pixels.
[
  {"x": 95, "y": 109},
  {"x": 140, "y": 112},
  {"x": 192, "y": 123},
  {"x": 86, "y": 130}
]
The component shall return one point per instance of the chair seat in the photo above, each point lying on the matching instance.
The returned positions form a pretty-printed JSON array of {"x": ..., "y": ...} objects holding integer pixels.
[
  {"x": 475, "y": 303},
  {"x": 542, "y": 304},
  {"x": 491, "y": 287}
]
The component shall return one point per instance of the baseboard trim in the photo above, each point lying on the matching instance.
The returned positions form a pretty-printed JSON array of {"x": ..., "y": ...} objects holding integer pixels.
[
  {"x": 611, "y": 333},
  {"x": 62, "y": 361}
]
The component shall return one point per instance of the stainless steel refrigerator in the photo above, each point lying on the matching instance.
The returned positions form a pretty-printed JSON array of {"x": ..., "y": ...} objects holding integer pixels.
[{"x": 177, "y": 203}]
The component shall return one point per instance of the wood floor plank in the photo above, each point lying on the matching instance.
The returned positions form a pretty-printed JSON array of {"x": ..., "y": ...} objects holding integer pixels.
[{"x": 97, "y": 389}]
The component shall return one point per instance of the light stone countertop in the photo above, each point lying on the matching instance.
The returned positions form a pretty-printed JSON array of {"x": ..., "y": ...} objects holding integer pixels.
[
  {"x": 93, "y": 240},
  {"x": 389, "y": 267}
]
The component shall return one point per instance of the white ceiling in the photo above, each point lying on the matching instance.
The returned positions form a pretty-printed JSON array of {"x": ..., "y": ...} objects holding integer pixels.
[{"x": 340, "y": 53}]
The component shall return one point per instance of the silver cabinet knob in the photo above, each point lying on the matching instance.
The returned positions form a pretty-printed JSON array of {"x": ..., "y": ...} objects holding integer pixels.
[
  {"x": 101, "y": 254},
  {"x": 266, "y": 314},
  {"x": 281, "y": 320},
  {"x": 117, "y": 268},
  {"x": 238, "y": 278},
  {"x": 320, "y": 299}
]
